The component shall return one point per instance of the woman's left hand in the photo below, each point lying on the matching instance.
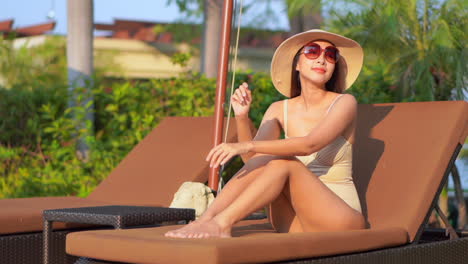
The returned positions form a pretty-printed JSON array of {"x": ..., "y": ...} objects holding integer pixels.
[{"x": 222, "y": 153}]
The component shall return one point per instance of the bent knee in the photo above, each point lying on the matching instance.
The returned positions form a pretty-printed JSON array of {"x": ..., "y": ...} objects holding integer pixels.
[
  {"x": 277, "y": 164},
  {"x": 282, "y": 161},
  {"x": 289, "y": 163},
  {"x": 259, "y": 160}
]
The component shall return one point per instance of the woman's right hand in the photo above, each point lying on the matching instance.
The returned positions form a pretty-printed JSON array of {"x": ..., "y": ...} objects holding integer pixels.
[{"x": 241, "y": 100}]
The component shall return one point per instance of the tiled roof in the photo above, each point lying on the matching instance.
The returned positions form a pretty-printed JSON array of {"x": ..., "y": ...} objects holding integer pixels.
[
  {"x": 6, "y": 27},
  {"x": 144, "y": 30}
]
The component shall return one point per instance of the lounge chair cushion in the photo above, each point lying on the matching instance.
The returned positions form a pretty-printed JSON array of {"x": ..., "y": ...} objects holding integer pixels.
[
  {"x": 400, "y": 157},
  {"x": 23, "y": 215},
  {"x": 252, "y": 243}
]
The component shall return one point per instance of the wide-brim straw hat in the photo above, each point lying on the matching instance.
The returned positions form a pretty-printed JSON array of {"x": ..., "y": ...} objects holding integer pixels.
[{"x": 349, "y": 65}]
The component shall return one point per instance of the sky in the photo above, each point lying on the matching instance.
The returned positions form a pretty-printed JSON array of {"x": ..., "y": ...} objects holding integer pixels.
[{"x": 29, "y": 12}]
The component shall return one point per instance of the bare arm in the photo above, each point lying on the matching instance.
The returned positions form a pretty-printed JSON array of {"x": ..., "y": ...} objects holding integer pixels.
[
  {"x": 244, "y": 133},
  {"x": 241, "y": 101},
  {"x": 337, "y": 120},
  {"x": 269, "y": 128}
]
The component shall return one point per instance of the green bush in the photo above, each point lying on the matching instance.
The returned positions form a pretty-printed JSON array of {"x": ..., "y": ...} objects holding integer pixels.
[
  {"x": 38, "y": 143},
  {"x": 27, "y": 68},
  {"x": 19, "y": 113}
]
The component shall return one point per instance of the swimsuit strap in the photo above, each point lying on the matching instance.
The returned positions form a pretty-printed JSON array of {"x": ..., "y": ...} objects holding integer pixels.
[
  {"x": 285, "y": 113},
  {"x": 334, "y": 101},
  {"x": 285, "y": 117}
]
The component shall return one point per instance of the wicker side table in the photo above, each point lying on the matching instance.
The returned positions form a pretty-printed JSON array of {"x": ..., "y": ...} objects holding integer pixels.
[{"x": 117, "y": 216}]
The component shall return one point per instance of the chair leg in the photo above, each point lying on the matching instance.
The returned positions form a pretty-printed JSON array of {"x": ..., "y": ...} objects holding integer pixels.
[
  {"x": 462, "y": 223},
  {"x": 448, "y": 227}
]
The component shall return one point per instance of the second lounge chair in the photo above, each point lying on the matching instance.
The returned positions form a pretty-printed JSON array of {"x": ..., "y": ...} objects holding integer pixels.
[{"x": 174, "y": 152}]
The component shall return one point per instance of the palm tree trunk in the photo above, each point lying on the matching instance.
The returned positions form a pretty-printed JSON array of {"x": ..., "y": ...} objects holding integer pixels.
[
  {"x": 306, "y": 19},
  {"x": 211, "y": 37},
  {"x": 80, "y": 64}
]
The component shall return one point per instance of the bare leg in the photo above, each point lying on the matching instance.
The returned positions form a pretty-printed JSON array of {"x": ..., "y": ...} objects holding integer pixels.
[
  {"x": 231, "y": 191},
  {"x": 331, "y": 213},
  {"x": 282, "y": 215},
  {"x": 237, "y": 184}
]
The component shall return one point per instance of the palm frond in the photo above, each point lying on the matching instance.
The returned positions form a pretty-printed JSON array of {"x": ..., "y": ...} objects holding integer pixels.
[{"x": 422, "y": 41}]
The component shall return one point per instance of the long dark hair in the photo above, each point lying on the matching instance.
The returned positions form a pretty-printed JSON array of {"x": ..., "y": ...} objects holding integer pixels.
[{"x": 332, "y": 84}]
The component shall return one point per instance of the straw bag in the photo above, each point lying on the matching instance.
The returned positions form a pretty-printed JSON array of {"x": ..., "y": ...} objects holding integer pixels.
[{"x": 194, "y": 195}]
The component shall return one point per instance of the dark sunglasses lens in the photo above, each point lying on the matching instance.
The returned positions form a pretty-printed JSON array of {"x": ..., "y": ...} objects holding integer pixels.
[
  {"x": 331, "y": 54},
  {"x": 312, "y": 51}
]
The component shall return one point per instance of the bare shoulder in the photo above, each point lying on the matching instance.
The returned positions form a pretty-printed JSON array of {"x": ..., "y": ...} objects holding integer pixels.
[
  {"x": 347, "y": 101},
  {"x": 344, "y": 107},
  {"x": 275, "y": 109},
  {"x": 277, "y": 106},
  {"x": 349, "y": 98}
]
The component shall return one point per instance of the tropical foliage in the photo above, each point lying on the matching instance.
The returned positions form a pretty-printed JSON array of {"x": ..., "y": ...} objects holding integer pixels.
[
  {"x": 44, "y": 162},
  {"x": 23, "y": 67},
  {"x": 418, "y": 46}
]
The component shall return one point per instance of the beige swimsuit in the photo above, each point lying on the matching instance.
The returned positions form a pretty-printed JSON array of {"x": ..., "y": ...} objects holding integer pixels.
[{"x": 332, "y": 164}]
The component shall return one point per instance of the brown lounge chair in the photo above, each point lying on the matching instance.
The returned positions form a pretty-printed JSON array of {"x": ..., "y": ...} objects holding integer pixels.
[
  {"x": 402, "y": 157},
  {"x": 174, "y": 152}
]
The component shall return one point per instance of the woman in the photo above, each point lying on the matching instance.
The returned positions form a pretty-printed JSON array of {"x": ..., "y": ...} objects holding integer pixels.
[{"x": 305, "y": 177}]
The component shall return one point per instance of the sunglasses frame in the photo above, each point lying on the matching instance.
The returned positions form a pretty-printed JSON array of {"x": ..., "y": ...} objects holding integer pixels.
[{"x": 328, "y": 48}]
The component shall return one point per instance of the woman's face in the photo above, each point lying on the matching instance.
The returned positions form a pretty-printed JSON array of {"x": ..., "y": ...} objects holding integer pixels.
[{"x": 319, "y": 70}]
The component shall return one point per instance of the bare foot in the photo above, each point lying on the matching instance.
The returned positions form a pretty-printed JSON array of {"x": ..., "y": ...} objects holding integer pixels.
[
  {"x": 210, "y": 228},
  {"x": 180, "y": 232}
]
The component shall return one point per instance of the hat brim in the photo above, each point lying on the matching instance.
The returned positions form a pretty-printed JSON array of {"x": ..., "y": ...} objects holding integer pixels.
[{"x": 350, "y": 63}]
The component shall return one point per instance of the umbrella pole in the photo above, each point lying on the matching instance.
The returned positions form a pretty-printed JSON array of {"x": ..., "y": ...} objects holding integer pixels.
[{"x": 223, "y": 59}]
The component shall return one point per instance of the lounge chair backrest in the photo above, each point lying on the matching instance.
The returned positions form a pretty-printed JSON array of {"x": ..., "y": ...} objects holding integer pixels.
[
  {"x": 173, "y": 153},
  {"x": 401, "y": 154}
]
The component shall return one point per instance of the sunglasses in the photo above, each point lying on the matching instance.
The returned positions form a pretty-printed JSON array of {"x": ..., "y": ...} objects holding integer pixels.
[{"x": 313, "y": 50}]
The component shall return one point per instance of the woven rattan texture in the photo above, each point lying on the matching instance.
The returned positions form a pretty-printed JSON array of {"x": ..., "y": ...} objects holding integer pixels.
[
  {"x": 116, "y": 215},
  {"x": 442, "y": 252},
  {"x": 94, "y": 261},
  {"x": 119, "y": 216},
  {"x": 27, "y": 249}
]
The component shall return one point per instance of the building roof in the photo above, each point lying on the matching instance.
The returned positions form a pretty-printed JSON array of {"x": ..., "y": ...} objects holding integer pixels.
[
  {"x": 155, "y": 32},
  {"x": 161, "y": 32},
  {"x": 6, "y": 28}
]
